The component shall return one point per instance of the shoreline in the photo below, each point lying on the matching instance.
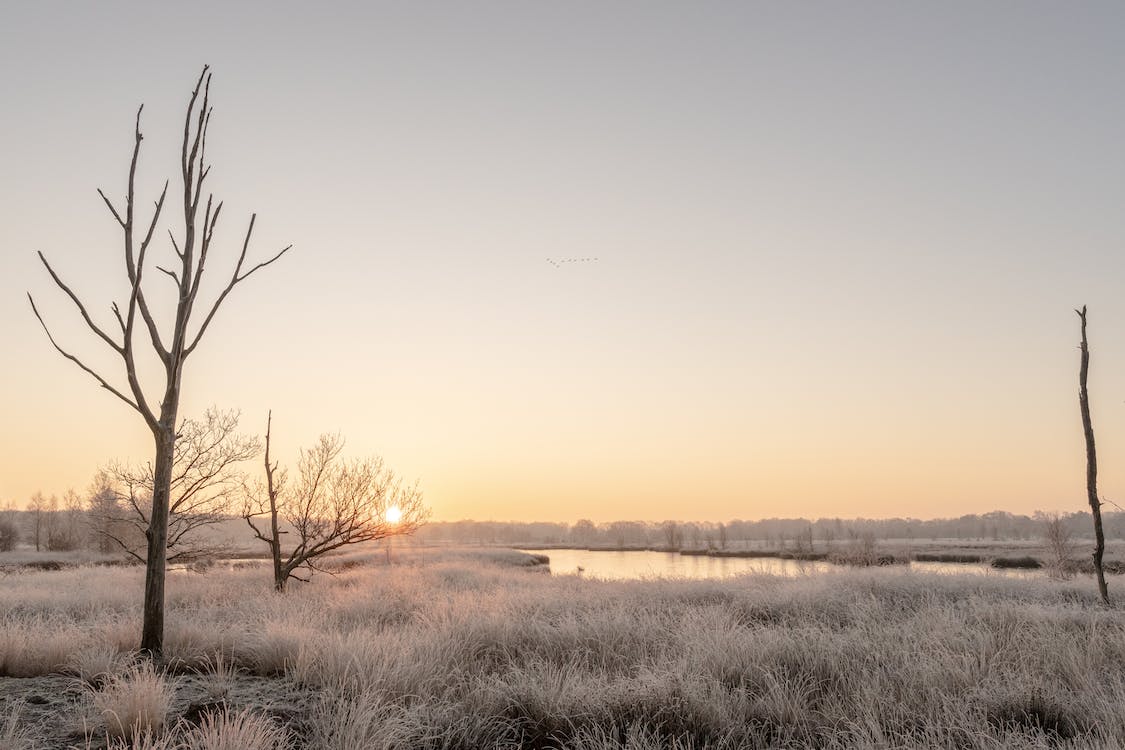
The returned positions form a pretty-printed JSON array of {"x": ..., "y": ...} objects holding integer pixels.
[{"x": 849, "y": 558}]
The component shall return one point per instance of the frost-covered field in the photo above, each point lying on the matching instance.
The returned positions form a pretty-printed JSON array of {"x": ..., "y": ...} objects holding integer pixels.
[{"x": 470, "y": 650}]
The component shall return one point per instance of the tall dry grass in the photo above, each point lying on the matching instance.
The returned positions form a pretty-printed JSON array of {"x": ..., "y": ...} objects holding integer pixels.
[
  {"x": 134, "y": 702},
  {"x": 15, "y": 735},
  {"x": 460, "y": 653}
]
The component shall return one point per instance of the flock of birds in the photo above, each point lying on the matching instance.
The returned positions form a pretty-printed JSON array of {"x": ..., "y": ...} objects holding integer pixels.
[{"x": 559, "y": 263}]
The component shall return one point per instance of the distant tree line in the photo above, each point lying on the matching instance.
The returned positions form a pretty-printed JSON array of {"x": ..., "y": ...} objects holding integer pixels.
[
  {"x": 48, "y": 524},
  {"x": 108, "y": 518},
  {"x": 770, "y": 532}
]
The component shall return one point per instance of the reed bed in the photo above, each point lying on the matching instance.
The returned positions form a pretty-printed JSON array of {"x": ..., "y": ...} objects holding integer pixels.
[{"x": 458, "y": 651}]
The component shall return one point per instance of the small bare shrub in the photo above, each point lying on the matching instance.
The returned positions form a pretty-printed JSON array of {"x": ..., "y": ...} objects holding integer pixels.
[
  {"x": 9, "y": 535},
  {"x": 134, "y": 702},
  {"x": 202, "y": 565},
  {"x": 1060, "y": 547},
  {"x": 863, "y": 551}
]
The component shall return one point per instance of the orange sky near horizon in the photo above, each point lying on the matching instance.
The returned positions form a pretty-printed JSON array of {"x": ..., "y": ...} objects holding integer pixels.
[{"x": 838, "y": 249}]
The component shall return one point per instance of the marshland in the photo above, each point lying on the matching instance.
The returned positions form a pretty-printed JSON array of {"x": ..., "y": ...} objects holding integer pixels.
[
  {"x": 477, "y": 648},
  {"x": 562, "y": 376}
]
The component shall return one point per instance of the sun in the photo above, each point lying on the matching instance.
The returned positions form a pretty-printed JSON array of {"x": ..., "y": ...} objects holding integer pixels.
[{"x": 393, "y": 514}]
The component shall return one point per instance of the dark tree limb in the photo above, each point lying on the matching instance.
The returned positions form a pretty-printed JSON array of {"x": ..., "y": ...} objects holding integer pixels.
[
  {"x": 104, "y": 383},
  {"x": 111, "y": 208},
  {"x": 81, "y": 307},
  {"x": 1091, "y": 462},
  {"x": 236, "y": 277}
]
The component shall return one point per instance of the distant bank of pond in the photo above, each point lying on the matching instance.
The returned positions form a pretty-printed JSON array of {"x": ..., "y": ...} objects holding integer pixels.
[{"x": 614, "y": 564}]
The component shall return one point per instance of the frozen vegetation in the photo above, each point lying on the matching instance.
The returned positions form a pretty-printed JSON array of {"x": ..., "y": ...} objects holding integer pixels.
[{"x": 474, "y": 649}]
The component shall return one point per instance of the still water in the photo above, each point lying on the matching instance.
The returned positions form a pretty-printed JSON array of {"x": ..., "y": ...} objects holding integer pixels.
[{"x": 623, "y": 565}]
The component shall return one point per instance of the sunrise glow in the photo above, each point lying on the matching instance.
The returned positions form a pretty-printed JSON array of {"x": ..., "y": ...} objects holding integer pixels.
[{"x": 742, "y": 262}]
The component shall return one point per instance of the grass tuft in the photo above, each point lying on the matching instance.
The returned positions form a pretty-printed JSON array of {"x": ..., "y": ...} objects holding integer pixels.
[
  {"x": 235, "y": 731},
  {"x": 134, "y": 702}
]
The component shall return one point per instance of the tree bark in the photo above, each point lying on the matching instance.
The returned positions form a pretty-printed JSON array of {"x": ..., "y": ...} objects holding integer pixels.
[
  {"x": 280, "y": 576},
  {"x": 1091, "y": 462},
  {"x": 152, "y": 631}
]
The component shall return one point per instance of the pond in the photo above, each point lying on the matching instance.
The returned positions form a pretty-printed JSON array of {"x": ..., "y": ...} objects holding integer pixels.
[{"x": 648, "y": 564}]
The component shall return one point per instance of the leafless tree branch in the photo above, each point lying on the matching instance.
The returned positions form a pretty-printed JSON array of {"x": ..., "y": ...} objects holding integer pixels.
[
  {"x": 104, "y": 383},
  {"x": 112, "y": 210},
  {"x": 236, "y": 277},
  {"x": 81, "y": 307},
  {"x": 334, "y": 503}
]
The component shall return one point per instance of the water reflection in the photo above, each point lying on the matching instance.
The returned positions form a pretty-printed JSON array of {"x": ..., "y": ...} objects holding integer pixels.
[{"x": 629, "y": 565}]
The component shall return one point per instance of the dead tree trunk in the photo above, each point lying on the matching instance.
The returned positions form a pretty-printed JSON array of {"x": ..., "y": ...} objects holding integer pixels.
[
  {"x": 280, "y": 576},
  {"x": 172, "y": 348},
  {"x": 1091, "y": 462},
  {"x": 152, "y": 628}
]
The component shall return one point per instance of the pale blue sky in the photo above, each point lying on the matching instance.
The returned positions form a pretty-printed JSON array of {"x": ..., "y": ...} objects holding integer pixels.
[{"x": 838, "y": 244}]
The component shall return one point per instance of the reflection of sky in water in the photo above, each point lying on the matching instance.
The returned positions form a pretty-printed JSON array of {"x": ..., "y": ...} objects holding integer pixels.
[{"x": 620, "y": 565}]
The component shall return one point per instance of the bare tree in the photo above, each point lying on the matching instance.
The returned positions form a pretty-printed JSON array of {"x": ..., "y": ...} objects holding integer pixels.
[
  {"x": 105, "y": 515},
  {"x": 1091, "y": 461},
  {"x": 804, "y": 540},
  {"x": 673, "y": 537},
  {"x": 333, "y": 503},
  {"x": 64, "y": 523},
  {"x": 160, "y": 408},
  {"x": 626, "y": 533},
  {"x": 205, "y": 487},
  {"x": 584, "y": 532},
  {"x": 46, "y": 521},
  {"x": 692, "y": 530},
  {"x": 39, "y": 507},
  {"x": 1060, "y": 545},
  {"x": 9, "y": 529},
  {"x": 864, "y": 549}
]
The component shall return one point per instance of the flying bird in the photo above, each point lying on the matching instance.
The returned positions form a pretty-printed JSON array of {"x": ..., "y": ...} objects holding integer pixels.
[{"x": 559, "y": 263}]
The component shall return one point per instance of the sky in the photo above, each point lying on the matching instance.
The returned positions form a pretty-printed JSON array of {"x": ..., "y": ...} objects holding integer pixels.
[{"x": 838, "y": 246}]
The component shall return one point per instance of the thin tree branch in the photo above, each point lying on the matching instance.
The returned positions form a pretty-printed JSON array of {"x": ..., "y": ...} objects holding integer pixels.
[
  {"x": 236, "y": 277},
  {"x": 81, "y": 308},
  {"x": 173, "y": 274},
  {"x": 146, "y": 313},
  {"x": 155, "y": 217},
  {"x": 264, "y": 263},
  {"x": 184, "y": 162},
  {"x": 117, "y": 314},
  {"x": 112, "y": 210},
  {"x": 104, "y": 383},
  {"x": 204, "y": 246}
]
